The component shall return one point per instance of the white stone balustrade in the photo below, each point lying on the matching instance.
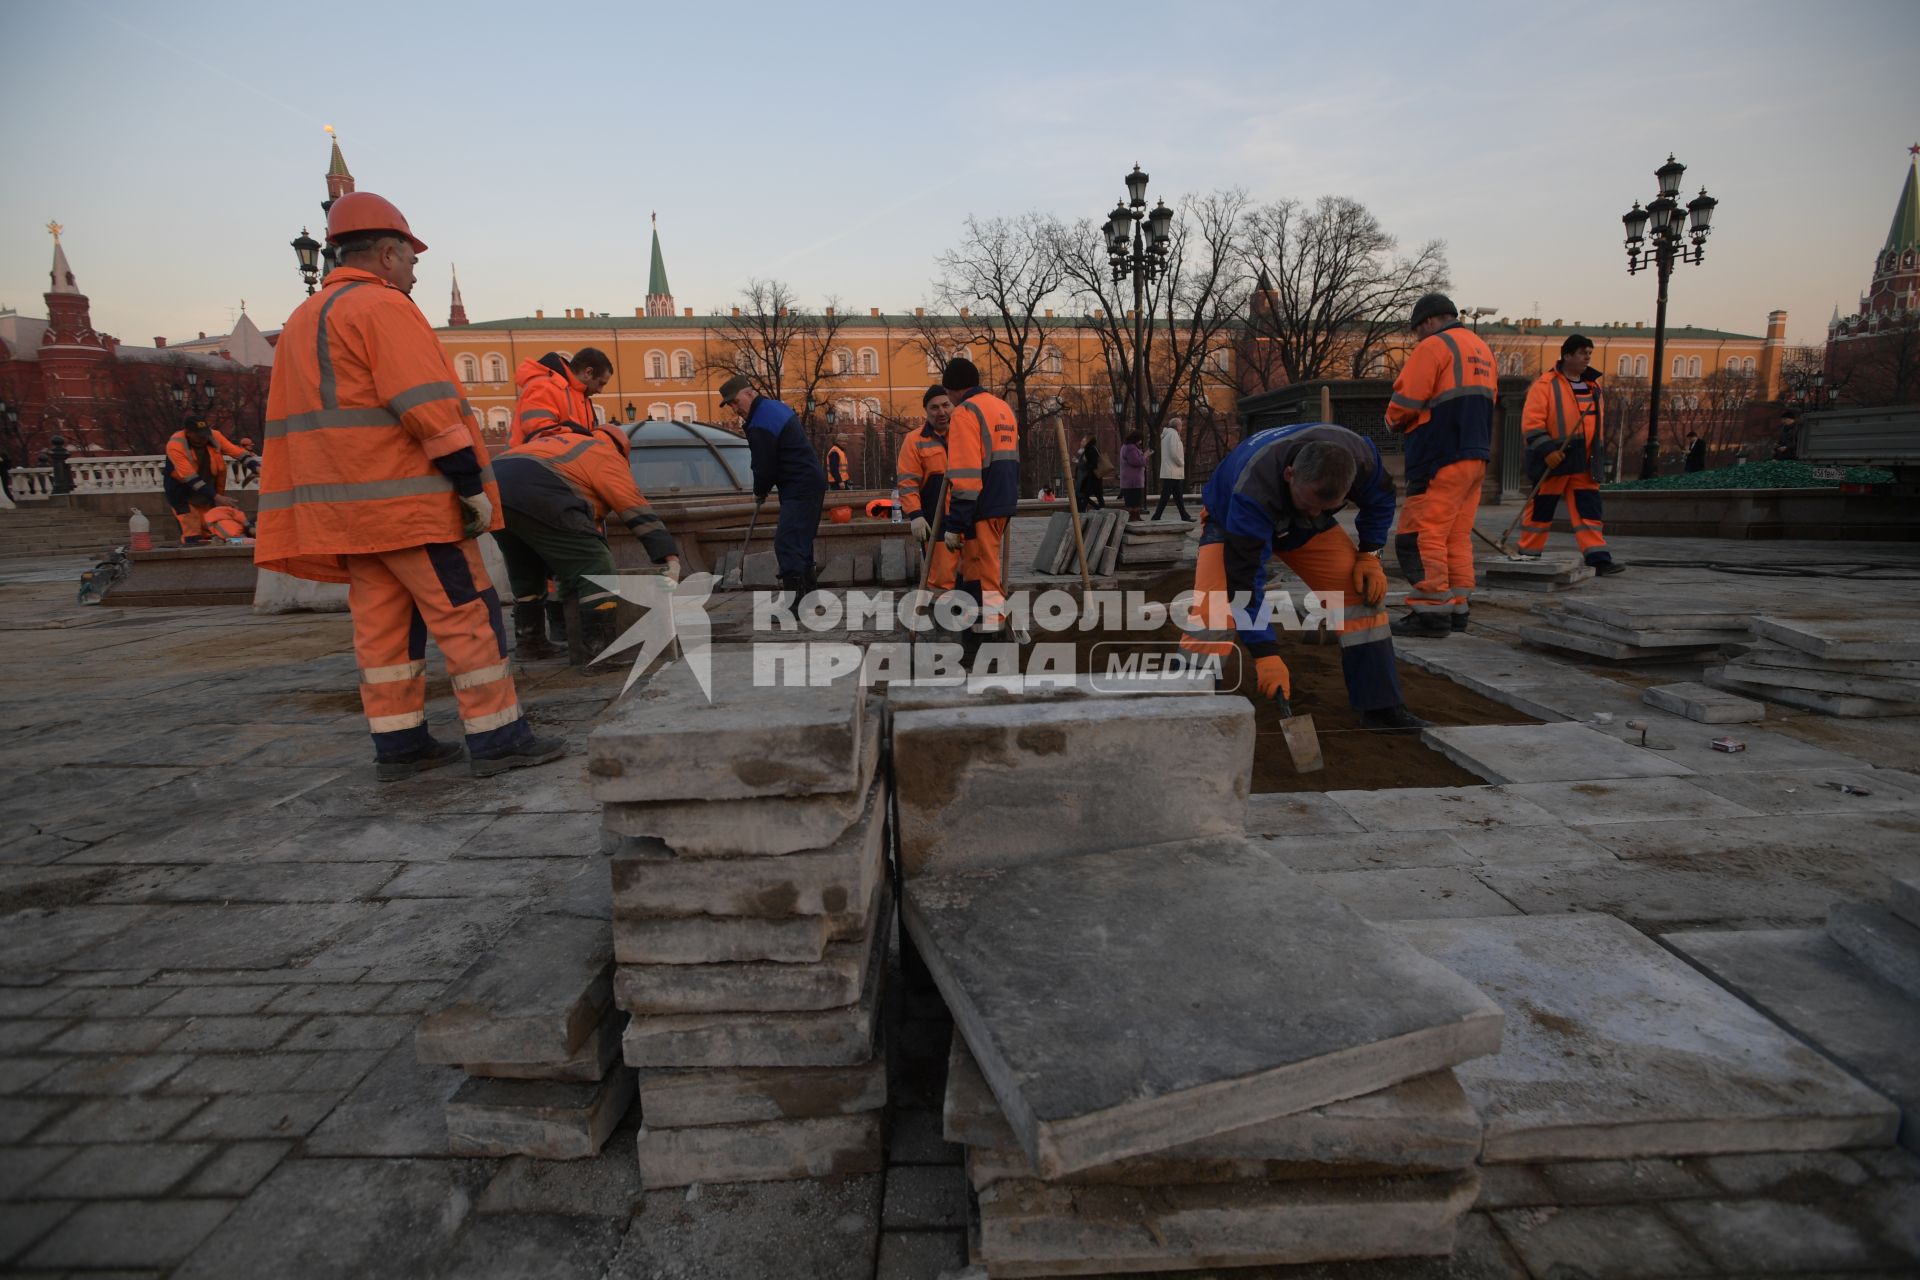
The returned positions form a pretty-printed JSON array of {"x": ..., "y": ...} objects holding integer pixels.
[{"x": 141, "y": 474}]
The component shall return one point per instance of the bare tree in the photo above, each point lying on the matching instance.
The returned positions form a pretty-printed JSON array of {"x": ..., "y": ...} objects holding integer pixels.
[
  {"x": 781, "y": 347},
  {"x": 1007, "y": 267},
  {"x": 1715, "y": 408},
  {"x": 1803, "y": 376},
  {"x": 1337, "y": 292},
  {"x": 1883, "y": 367}
]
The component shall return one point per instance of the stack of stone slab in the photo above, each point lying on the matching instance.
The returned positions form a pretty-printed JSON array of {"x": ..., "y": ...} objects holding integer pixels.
[
  {"x": 534, "y": 1027},
  {"x": 750, "y": 914},
  {"x": 1638, "y": 630},
  {"x": 1154, "y": 543},
  {"x": 1843, "y": 667},
  {"x": 1100, "y": 531},
  {"x": 890, "y": 564},
  {"x": 1543, "y": 573},
  {"x": 1171, "y": 1052}
]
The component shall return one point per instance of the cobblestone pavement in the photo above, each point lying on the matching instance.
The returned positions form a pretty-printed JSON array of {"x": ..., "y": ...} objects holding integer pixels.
[{"x": 216, "y": 934}]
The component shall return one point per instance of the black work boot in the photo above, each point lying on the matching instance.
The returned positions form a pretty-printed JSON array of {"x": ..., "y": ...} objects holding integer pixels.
[
  {"x": 1458, "y": 622},
  {"x": 1394, "y": 719},
  {"x": 531, "y": 752},
  {"x": 1608, "y": 567},
  {"x": 431, "y": 756},
  {"x": 599, "y": 628},
  {"x": 530, "y": 630},
  {"x": 1422, "y": 626}
]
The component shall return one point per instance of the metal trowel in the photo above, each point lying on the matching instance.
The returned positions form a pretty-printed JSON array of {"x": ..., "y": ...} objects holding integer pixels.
[{"x": 1303, "y": 743}]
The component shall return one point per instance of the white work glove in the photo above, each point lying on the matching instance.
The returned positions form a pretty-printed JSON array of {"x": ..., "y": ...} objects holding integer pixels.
[
  {"x": 476, "y": 515},
  {"x": 921, "y": 529},
  {"x": 954, "y": 541},
  {"x": 672, "y": 572}
]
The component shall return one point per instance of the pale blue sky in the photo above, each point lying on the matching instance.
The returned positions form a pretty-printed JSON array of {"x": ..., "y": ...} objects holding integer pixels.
[{"x": 840, "y": 146}]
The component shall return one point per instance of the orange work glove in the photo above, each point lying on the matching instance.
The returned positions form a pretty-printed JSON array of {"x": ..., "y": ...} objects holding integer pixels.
[
  {"x": 1555, "y": 458},
  {"x": 1369, "y": 579},
  {"x": 1274, "y": 678}
]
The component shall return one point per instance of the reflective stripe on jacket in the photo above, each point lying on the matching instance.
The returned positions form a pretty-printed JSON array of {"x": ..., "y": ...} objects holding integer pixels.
[
  {"x": 184, "y": 462},
  {"x": 1443, "y": 402},
  {"x": 363, "y": 400},
  {"x": 983, "y": 460},
  {"x": 1558, "y": 415},
  {"x": 921, "y": 470},
  {"x": 567, "y": 480},
  {"x": 549, "y": 394}
]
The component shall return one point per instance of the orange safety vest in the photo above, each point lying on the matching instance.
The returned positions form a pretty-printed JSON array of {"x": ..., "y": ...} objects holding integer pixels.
[
  {"x": 983, "y": 459},
  {"x": 363, "y": 399},
  {"x": 921, "y": 469},
  {"x": 836, "y": 465},
  {"x": 591, "y": 465},
  {"x": 185, "y": 462},
  {"x": 1443, "y": 403},
  {"x": 547, "y": 398},
  {"x": 1570, "y": 418}
]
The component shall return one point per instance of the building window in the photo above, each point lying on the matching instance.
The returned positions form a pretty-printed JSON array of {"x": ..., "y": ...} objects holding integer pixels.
[
  {"x": 1693, "y": 367},
  {"x": 933, "y": 363},
  {"x": 1222, "y": 360},
  {"x": 1626, "y": 366},
  {"x": 683, "y": 364},
  {"x": 1051, "y": 361},
  {"x": 497, "y": 423},
  {"x": 869, "y": 408},
  {"x": 1639, "y": 366},
  {"x": 469, "y": 369},
  {"x": 658, "y": 412},
  {"x": 496, "y": 368},
  {"x": 656, "y": 365},
  {"x": 684, "y": 411},
  {"x": 843, "y": 361},
  {"x": 869, "y": 361}
]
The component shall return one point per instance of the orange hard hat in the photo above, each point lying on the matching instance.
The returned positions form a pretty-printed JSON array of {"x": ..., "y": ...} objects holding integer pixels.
[
  {"x": 879, "y": 509},
  {"x": 841, "y": 515},
  {"x": 359, "y": 211}
]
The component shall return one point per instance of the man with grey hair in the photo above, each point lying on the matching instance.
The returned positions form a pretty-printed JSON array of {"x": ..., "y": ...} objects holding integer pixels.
[{"x": 1278, "y": 493}]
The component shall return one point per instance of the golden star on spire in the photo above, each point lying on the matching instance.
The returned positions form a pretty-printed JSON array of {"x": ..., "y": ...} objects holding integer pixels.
[{"x": 54, "y": 229}]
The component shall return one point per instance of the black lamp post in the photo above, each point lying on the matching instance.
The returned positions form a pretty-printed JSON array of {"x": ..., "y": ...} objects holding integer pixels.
[
  {"x": 1138, "y": 245},
  {"x": 307, "y": 250},
  {"x": 632, "y": 413},
  {"x": 1673, "y": 240}
]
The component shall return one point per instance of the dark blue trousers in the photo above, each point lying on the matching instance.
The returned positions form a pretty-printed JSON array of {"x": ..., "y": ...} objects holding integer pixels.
[{"x": 793, "y": 535}]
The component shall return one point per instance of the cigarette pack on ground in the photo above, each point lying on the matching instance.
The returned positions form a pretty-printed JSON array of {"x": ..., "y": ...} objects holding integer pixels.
[{"x": 1728, "y": 744}]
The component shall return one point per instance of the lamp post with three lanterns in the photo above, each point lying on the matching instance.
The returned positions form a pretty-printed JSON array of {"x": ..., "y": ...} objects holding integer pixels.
[
  {"x": 1672, "y": 240},
  {"x": 1139, "y": 245}
]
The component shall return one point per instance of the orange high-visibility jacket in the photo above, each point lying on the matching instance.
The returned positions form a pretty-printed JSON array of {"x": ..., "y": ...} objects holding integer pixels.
[
  {"x": 550, "y": 395},
  {"x": 1568, "y": 417},
  {"x": 836, "y": 465},
  {"x": 1443, "y": 403},
  {"x": 184, "y": 462},
  {"x": 568, "y": 480},
  {"x": 921, "y": 470},
  {"x": 983, "y": 460},
  {"x": 363, "y": 399}
]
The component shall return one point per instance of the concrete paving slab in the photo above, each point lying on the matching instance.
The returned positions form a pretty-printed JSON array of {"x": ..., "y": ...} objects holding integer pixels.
[
  {"x": 1038, "y": 1228},
  {"x": 1638, "y": 637},
  {"x": 994, "y": 690},
  {"x": 1297, "y": 813},
  {"x": 1812, "y": 791},
  {"x": 767, "y": 1151},
  {"x": 1880, "y": 942},
  {"x": 604, "y": 1186},
  {"x": 1564, "y": 752},
  {"x": 1197, "y": 1056},
  {"x": 1550, "y": 637},
  {"x": 591, "y": 1061},
  {"x": 535, "y": 998},
  {"x": 398, "y": 1110},
  {"x": 1617, "y": 1050},
  {"x": 1668, "y": 895},
  {"x": 1583, "y": 804},
  {"x": 825, "y": 882},
  {"x": 1833, "y": 704},
  {"x": 1906, "y": 899},
  {"x": 1527, "y": 846},
  {"x": 832, "y": 982},
  {"x": 548, "y": 1119},
  {"x": 1756, "y": 1236},
  {"x": 1846, "y": 683},
  {"x": 1413, "y": 893},
  {"x": 1422, "y": 1125},
  {"x": 703, "y": 940},
  {"x": 667, "y": 741},
  {"x": 1064, "y": 778},
  {"x": 1845, "y": 639},
  {"x": 1363, "y": 851},
  {"x": 1656, "y": 611},
  {"x": 1533, "y": 568},
  {"x": 821, "y": 1228},
  {"x": 534, "y": 1247},
  {"x": 1441, "y": 808},
  {"x": 748, "y": 1095},
  {"x": 1617, "y": 1242},
  {"x": 1704, "y": 703},
  {"x": 1765, "y": 654},
  {"x": 766, "y": 826},
  {"x": 1825, "y": 846}
]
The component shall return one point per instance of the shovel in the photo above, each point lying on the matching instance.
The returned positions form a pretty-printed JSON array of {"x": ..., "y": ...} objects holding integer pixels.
[{"x": 737, "y": 574}]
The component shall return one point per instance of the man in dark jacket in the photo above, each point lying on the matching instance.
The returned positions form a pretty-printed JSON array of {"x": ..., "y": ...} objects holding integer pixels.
[
  {"x": 783, "y": 459},
  {"x": 1696, "y": 454}
]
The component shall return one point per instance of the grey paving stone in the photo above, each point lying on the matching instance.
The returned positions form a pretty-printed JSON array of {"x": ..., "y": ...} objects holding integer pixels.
[
  {"x": 535, "y": 998},
  {"x": 1563, "y": 752},
  {"x": 130, "y": 1073},
  {"x": 740, "y": 1095},
  {"x": 519, "y": 878},
  {"x": 1906, "y": 899},
  {"x": 1414, "y": 893},
  {"x": 419, "y": 938},
  {"x": 398, "y": 1110},
  {"x": 1792, "y": 1175},
  {"x": 1779, "y": 1235},
  {"x": 277, "y": 882},
  {"x": 222, "y": 937},
  {"x": 1607, "y": 800},
  {"x": 659, "y": 742},
  {"x": 1297, "y": 813},
  {"x": 1827, "y": 703},
  {"x": 513, "y": 835},
  {"x": 590, "y": 1062},
  {"x": 349, "y": 1031},
  {"x": 350, "y": 835},
  {"x": 1066, "y": 778},
  {"x": 36, "y": 939},
  {"x": 1366, "y": 850},
  {"x": 534, "y": 1247},
  {"x": 551, "y": 1119},
  {"x": 1036, "y": 1228},
  {"x": 122, "y": 1170},
  {"x": 1649, "y": 611},
  {"x": 24, "y": 1169},
  {"x": 1808, "y": 791},
  {"x": 344, "y": 1219},
  {"x": 128, "y": 1233},
  {"x": 914, "y": 1137},
  {"x": 920, "y": 1255},
  {"x": 1581, "y": 1182},
  {"x": 1441, "y": 808},
  {"x": 104, "y": 1002},
  {"x": 1672, "y": 893},
  {"x": 115, "y": 1035},
  {"x": 260, "y": 1115},
  {"x": 924, "y": 1197},
  {"x": 1808, "y": 983},
  {"x": 1615, "y": 1049},
  {"x": 1843, "y": 639},
  {"x": 1644, "y": 638},
  {"x": 411, "y": 997},
  {"x": 765, "y": 1151},
  {"x": 1880, "y": 941},
  {"x": 605, "y": 1185},
  {"x": 1527, "y": 846},
  {"x": 17, "y": 1073},
  {"x": 1844, "y": 683},
  {"x": 119, "y": 1120},
  {"x": 1622, "y": 1242},
  {"x": 312, "y": 998},
  {"x": 240, "y": 1033},
  {"x": 823, "y": 1228},
  {"x": 193, "y": 1002},
  {"x": 1195, "y": 965},
  {"x": 22, "y": 1224},
  {"x": 19, "y": 1002},
  {"x": 238, "y": 1169}
]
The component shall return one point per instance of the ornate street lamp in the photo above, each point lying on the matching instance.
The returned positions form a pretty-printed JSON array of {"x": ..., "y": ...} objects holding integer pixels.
[
  {"x": 1663, "y": 233},
  {"x": 1139, "y": 245},
  {"x": 307, "y": 250},
  {"x": 632, "y": 413}
]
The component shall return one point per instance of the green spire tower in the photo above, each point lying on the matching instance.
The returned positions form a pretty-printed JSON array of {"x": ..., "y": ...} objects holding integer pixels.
[{"x": 659, "y": 294}]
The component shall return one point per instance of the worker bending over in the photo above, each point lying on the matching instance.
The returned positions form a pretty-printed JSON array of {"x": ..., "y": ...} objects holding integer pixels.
[
  {"x": 195, "y": 478},
  {"x": 783, "y": 459}
]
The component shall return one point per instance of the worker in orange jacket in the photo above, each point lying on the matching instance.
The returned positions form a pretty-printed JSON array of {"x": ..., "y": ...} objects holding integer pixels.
[
  {"x": 555, "y": 389},
  {"x": 196, "y": 475},
  {"x": 1443, "y": 403},
  {"x": 558, "y": 489},
  {"x": 983, "y": 477},
  {"x": 921, "y": 478},
  {"x": 375, "y": 475},
  {"x": 1561, "y": 423},
  {"x": 837, "y": 468}
]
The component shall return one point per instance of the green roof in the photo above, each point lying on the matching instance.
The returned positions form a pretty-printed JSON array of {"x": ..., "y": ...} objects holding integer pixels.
[
  {"x": 716, "y": 321},
  {"x": 1905, "y": 231},
  {"x": 657, "y": 275},
  {"x": 1604, "y": 333}
]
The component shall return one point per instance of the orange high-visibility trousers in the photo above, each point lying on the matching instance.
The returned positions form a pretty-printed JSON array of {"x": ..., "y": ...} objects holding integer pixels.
[
  {"x": 191, "y": 525},
  {"x": 398, "y": 599},
  {"x": 1583, "y": 513},
  {"x": 944, "y": 562},
  {"x": 979, "y": 571},
  {"x": 1435, "y": 541}
]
